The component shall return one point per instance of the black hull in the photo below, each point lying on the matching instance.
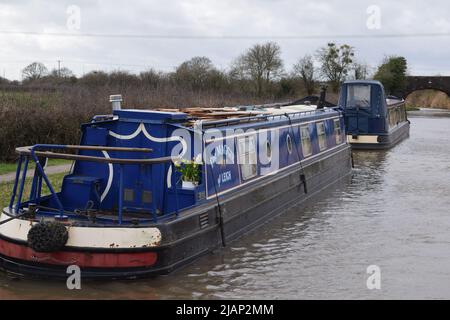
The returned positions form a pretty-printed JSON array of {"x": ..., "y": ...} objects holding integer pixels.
[
  {"x": 199, "y": 230},
  {"x": 386, "y": 141}
]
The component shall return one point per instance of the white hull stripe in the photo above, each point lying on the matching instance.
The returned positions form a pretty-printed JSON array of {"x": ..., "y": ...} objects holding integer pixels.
[
  {"x": 110, "y": 177},
  {"x": 141, "y": 128},
  {"x": 90, "y": 237}
]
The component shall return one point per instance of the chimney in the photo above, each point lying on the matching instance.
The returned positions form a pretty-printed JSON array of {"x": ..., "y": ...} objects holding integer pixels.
[
  {"x": 115, "y": 100},
  {"x": 323, "y": 94}
]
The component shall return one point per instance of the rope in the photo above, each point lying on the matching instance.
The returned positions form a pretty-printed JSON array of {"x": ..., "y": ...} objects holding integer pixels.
[
  {"x": 302, "y": 170},
  {"x": 222, "y": 233},
  {"x": 12, "y": 218}
]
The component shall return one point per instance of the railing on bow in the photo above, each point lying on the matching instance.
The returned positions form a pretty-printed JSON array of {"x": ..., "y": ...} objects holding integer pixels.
[{"x": 40, "y": 151}]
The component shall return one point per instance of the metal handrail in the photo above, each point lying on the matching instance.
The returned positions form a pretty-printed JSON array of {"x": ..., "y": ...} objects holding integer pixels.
[
  {"x": 33, "y": 153},
  {"x": 81, "y": 147},
  {"x": 255, "y": 118},
  {"x": 29, "y": 150}
]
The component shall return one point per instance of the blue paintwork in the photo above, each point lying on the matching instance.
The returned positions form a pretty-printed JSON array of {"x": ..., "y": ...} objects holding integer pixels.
[
  {"x": 149, "y": 115},
  {"x": 143, "y": 188},
  {"x": 283, "y": 126},
  {"x": 16, "y": 182},
  {"x": 365, "y": 120}
]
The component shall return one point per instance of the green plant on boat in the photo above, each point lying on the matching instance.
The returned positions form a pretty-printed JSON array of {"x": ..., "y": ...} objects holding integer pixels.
[{"x": 189, "y": 169}]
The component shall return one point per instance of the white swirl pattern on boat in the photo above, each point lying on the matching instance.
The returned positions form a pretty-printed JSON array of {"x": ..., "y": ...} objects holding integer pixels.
[
  {"x": 141, "y": 128},
  {"x": 110, "y": 177}
]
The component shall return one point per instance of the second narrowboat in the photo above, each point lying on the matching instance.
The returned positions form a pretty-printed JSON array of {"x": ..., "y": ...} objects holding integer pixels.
[{"x": 372, "y": 120}]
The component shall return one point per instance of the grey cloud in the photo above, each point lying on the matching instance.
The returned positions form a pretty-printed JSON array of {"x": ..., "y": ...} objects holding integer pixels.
[{"x": 215, "y": 18}]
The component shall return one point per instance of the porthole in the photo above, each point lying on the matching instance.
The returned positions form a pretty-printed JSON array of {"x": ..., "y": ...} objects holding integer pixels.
[{"x": 289, "y": 143}]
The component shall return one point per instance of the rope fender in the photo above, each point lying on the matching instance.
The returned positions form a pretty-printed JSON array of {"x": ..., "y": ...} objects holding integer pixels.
[{"x": 47, "y": 236}]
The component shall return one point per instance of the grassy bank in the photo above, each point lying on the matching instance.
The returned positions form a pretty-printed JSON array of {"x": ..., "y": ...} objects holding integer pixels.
[
  {"x": 7, "y": 187},
  {"x": 412, "y": 108}
]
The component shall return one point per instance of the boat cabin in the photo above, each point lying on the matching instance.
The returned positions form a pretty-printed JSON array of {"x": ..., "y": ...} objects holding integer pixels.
[
  {"x": 371, "y": 118},
  {"x": 125, "y": 168}
]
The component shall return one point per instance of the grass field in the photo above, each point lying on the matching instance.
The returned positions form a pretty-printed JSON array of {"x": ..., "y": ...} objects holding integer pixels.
[
  {"x": 7, "y": 187},
  {"x": 8, "y": 167}
]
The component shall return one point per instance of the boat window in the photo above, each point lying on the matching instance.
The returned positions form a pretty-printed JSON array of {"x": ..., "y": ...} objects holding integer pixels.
[
  {"x": 306, "y": 141},
  {"x": 321, "y": 135},
  {"x": 289, "y": 143},
  {"x": 247, "y": 156},
  {"x": 391, "y": 118},
  {"x": 358, "y": 96},
  {"x": 402, "y": 113},
  {"x": 337, "y": 131}
]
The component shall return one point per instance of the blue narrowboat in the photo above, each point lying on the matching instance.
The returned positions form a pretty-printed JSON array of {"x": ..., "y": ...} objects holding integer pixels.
[
  {"x": 151, "y": 190},
  {"x": 372, "y": 120}
]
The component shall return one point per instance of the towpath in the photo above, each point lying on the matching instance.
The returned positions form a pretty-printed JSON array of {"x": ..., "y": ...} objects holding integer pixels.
[{"x": 49, "y": 170}]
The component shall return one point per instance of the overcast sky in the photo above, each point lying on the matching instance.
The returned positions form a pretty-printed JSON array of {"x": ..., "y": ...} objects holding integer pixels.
[{"x": 162, "y": 34}]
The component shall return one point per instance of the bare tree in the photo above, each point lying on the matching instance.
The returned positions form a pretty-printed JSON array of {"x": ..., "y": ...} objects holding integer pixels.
[
  {"x": 195, "y": 73},
  {"x": 61, "y": 73},
  {"x": 336, "y": 63},
  {"x": 304, "y": 69},
  {"x": 4, "y": 81},
  {"x": 95, "y": 79},
  {"x": 152, "y": 78},
  {"x": 34, "y": 71},
  {"x": 261, "y": 64},
  {"x": 361, "y": 70}
]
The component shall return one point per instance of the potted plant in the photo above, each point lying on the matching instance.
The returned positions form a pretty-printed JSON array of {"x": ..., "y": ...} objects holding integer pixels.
[{"x": 190, "y": 173}]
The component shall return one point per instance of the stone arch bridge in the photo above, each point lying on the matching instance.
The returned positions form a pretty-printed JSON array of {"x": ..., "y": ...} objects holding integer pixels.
[{"x": 414, "y": 83}]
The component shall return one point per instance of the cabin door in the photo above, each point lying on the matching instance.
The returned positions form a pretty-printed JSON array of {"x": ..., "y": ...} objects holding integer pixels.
[{"x": 358, "y": 122}]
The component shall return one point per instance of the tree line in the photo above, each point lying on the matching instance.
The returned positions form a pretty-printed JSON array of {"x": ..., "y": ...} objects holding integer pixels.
[{"x": 259, "y": 71}]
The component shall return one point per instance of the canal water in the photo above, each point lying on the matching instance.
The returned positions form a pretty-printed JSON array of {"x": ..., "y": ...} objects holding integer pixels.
[{"x": 392, "y": 213}]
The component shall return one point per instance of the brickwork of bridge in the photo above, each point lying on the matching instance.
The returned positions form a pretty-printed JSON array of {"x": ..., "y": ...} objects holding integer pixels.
[{"x": 414, "y": 83}]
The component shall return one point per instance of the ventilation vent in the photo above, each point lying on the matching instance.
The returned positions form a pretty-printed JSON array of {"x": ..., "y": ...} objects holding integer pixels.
[
  {"x": 128, "y": 195},
  {"x": 204, "y": 220}
]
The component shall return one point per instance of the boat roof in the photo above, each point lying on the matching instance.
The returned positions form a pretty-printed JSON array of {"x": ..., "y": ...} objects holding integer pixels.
[
  {"x": 362, "y": 82},
  {"x": 215, "y": 115}
]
